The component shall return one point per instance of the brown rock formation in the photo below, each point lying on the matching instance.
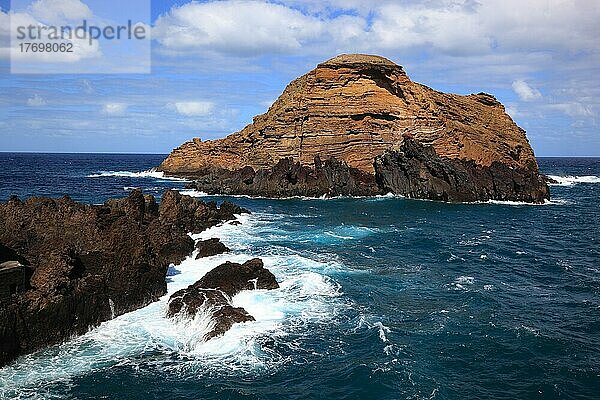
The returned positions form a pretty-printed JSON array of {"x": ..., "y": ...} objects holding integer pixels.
[
  {"x": 353, "y": 108},
  {"x": 213, "y": 292},
  {"x": 88, "y": 263},
  {"x": 210, "y": 247}
]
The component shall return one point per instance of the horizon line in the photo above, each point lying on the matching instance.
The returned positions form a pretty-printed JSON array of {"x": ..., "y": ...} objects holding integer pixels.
[{"x": 139, "y": 153}]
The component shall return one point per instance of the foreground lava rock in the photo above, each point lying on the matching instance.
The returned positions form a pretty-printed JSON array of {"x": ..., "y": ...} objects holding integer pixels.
[
  {"x": 349, "y": 111},
  {"x": 68, "y": 266},
  {"x": 212, "y": 294}
]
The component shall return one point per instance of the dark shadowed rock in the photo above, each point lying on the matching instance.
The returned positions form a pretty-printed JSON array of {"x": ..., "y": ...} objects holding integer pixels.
[
  {"x": 79, "y": 265},
  {"x": 213, "y": 292},
  {"x": 416, "y": 171},
  {"x": 193, "y": 215},
  {"x": 210, "y": 247},
  {"x": 410, "y": 169},
  {"x": 186, "y": 303},
  {"x": 231, "y": 278},
  {"x": 288, "y": 178}
]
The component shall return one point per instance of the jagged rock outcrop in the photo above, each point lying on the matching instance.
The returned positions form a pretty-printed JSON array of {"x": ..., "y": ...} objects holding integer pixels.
[
  {"x": 288, "y": 178},
  {"x": 210, "y": 247},
  {"x": 353, "y": 108},
  {"x": 213, "y": 293},
  {"x": 416, "y": 171},
  {"x": 73, "y": 266}
]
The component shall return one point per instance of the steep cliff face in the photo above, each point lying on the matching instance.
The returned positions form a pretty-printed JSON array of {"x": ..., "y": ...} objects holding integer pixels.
[{"x": 353, "y": 108}]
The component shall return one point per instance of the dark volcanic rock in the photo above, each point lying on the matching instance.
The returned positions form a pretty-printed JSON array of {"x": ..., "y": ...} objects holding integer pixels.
[
  {"x": 186, "y": 303},
  {"x": 88, "y": 263},
  {"x": 410, "y": 169},
  {"x": 192, "y": 215},
  {"x": 287, "y": 178},
  {"x": 416, "y": 171},
  {"x": 210, "y": 247},
  {"x": 232, "y": 278},
  {"x": 213, "y": 292}
]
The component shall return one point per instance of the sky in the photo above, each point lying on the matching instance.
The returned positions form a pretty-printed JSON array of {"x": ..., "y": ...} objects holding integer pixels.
[{"x": 216, "y": 64}]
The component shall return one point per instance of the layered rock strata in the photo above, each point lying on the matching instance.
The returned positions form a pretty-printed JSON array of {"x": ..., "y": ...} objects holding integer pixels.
[{"x": 351, "y": 110}]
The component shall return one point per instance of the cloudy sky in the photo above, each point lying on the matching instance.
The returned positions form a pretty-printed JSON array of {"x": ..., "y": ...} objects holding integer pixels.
[{"x": 216, "y": 64}]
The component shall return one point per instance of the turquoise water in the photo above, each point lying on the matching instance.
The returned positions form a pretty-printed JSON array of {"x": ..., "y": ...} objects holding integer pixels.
[{"x": 380, "y": 298}]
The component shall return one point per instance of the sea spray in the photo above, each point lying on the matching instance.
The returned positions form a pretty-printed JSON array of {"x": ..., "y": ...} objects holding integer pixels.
[{"x": 305, "y": 297}]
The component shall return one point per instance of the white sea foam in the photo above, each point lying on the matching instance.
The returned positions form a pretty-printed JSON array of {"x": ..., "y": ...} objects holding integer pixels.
[
  {"x": 552, "y": 202},
  {"x": 382, "y": 331},
  {"x": 306, "y": 296},
  {"x": 197, "y": 193},
  {"x": 151, "y": 173},
  {"x": 468, "y": 280},
  {"x": 570, "y": 180}
]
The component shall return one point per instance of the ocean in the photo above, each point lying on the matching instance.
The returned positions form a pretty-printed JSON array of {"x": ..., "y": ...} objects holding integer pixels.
[{"x": 380, "y": 298}]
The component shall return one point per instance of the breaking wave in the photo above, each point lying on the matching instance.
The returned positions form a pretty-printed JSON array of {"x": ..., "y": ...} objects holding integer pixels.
[
  {"x": 307, "y": 296},
  {"x": 151, "y": 173},
  {"x": 570, "y": 180}
]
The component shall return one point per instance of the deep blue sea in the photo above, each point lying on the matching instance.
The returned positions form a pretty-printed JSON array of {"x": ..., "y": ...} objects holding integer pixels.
[{"x": 380, "y": 298}]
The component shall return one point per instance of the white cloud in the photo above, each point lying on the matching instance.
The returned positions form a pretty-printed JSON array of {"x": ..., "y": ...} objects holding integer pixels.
[
  {"x": 114, "y": 108},
  {"x": 36, "y": 101},
  {"x": 192, "y": 108},
  {"x": 240, "y": 27},
  {"x": 454, "y": 27},
  {"x": 575, "y": 109},
  {"x": 525, "y": 91},
  {"x": 60, "y": 11}
]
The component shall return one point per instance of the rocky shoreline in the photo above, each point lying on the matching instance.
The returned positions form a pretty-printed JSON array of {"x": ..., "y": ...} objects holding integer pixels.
[
  {"x": 410, "y": 170},
  {"x": 66, "y": 267}
]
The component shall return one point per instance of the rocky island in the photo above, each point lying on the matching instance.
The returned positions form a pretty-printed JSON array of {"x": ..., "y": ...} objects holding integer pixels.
[{"x": 358, "y": 125}]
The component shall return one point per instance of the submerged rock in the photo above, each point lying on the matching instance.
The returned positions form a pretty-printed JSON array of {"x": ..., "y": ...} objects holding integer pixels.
[
  {"x": 72, "y": 266},
  {"x": 349, "y": 111},
  {"x": 210, "y": 247},
  {"x": 212, "y": 294}
]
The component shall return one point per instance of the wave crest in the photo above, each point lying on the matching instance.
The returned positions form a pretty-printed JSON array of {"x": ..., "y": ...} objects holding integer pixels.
[
  {"x": 150, "y": 173},
  {"x": 570, "y": 180}
]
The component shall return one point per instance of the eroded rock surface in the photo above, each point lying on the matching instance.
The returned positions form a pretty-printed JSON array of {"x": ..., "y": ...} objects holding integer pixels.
[
  {"x": 288, "y": 178},
  {"x": 210, "y": 247},
  {"x": 85, "y": 264},
  {"x": 416, "y": 171},
  {"x": 212, "y": 294}
]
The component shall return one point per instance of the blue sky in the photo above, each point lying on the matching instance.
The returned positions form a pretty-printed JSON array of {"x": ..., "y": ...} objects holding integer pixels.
[{"x": 216, "y": 64}]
